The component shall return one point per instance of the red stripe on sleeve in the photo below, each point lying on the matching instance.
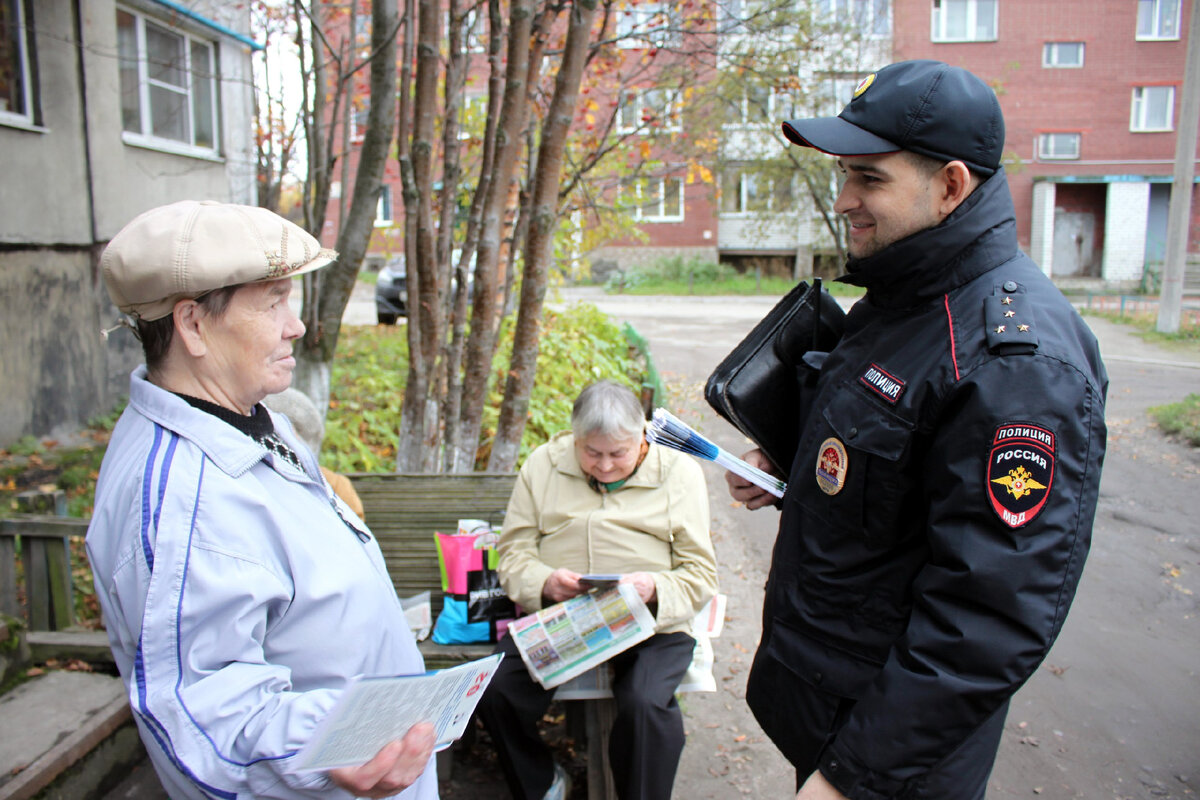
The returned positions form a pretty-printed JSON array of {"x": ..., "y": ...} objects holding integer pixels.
[{"x": 950, "y": 322}]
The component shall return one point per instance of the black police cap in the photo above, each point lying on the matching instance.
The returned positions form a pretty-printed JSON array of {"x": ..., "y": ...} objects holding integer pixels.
[{"x": 926, "y": 107}]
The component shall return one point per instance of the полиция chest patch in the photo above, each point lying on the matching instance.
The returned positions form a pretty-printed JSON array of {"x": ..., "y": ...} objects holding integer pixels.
[{"x": 1020, "y": 472}]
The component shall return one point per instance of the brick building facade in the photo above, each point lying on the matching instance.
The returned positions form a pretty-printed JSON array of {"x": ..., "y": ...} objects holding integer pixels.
[{"x": 1091, "y": 93}]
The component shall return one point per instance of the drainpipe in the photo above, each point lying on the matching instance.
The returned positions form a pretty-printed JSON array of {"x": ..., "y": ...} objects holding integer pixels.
[{"x": 87, "y": 139}]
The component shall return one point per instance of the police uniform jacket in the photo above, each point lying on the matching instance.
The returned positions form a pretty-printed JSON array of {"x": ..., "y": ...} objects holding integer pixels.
[
  {"x": 240, "y": 596},
  {"x": 940, "y": 505}
]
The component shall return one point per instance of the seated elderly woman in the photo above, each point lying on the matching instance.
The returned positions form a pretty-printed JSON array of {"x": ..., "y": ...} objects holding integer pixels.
[
  {"x": 601, "y": 499},
  {"x": 240, "y": 594}
]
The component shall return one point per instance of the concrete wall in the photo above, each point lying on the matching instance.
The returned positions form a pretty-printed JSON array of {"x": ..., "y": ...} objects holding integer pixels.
[
  {"x": 130, "y": 179},
  {"x": 70, "y": 184},
  {"x": 58, "y": 370},
  {"x": 626, "y": 257},
  {"x": 1125, "y": 231},
  {"x": 1041, "y": 237}
]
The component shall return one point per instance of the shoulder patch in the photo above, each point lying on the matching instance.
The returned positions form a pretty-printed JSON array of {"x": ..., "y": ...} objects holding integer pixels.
[
  {"x": 1020, "y": 471},
  {"x": 1009, "y": 320},
  {"x": 882, "y": 383}
]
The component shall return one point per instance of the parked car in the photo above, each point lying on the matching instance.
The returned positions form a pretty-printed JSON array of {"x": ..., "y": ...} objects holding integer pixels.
[
  {"x": 391, "y": 288},
  {"x": 391, "y": 291}
]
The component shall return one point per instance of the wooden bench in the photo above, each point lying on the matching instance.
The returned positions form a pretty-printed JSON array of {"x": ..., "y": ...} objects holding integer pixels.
[{"x": 402, "y": 510}]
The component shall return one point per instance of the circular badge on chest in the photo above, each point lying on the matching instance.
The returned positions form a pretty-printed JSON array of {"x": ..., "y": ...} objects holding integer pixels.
[{"x": 831, "y": 466}]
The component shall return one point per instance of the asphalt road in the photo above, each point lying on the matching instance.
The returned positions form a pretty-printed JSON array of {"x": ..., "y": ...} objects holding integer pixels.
[{"x": 1115, "y": 710}]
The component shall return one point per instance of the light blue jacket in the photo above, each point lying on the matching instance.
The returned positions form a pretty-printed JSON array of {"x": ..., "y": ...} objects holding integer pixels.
[{"x": 238, "y": 601}]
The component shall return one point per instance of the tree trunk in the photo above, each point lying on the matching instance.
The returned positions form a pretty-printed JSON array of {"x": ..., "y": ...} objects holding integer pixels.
[
  {"x": 539, "y": 246},
  {"x": 452, "y": 402},
  {"x": 482, "y": 338},
  {"x": 315, "y": 350}
]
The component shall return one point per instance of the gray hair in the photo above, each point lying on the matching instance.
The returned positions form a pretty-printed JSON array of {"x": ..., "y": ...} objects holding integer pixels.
[
  {"x": 609, "y": 409},
  {"x": 303, "y": 413}
]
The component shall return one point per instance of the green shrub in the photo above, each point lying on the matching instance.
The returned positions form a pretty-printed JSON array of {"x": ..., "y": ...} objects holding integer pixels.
[
  {"x": 577, "y": 345},
  {"x": 1180, "y": 419}
]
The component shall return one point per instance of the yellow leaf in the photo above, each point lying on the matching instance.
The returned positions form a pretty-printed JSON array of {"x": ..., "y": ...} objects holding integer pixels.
[
  {"x": 591, "y": 119},
  {"x": 645, "y": 148}
]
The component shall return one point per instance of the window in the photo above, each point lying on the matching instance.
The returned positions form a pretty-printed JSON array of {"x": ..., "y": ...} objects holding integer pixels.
[
  {"x": 745, "y": 192},
  {"x": 168, "y": 85},
  {"x": 834, "y": 92},
  {"x": 760, "y": 16},
  {"x": 1062, "y": 54},
  {"x": 1058, "y": 145},
  {"x": 358, "y": 120},
  {"x": 868, "y": 17},
  {"x": 658, "y": 200},
  {"x": 1152, "y": 109},
  {"x": 471, "y": 30},
  {"x": 964, "y": 21},
  {"x": 648, "y": 111},
  {"x": 758, "y": 104},
  {"x": 1158, "y": 19},
  {"x": 383, "y": 209},
  {"x": 18, "y": 83},
  {"x": 647, "y": 24}
]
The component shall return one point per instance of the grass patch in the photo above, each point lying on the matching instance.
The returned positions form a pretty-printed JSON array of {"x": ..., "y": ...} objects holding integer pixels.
[
  {"x": 1180, "y": 419},
  {"x": 695, "y": 276},
  {"x": 1145, "y": 325}
]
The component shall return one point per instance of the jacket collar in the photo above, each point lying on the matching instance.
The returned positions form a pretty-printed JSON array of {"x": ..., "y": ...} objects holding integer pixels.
[
  {"x": 978, "y": 236},
  {"x": 562, "y": 455},
  {"x": 231, "y": 450}
]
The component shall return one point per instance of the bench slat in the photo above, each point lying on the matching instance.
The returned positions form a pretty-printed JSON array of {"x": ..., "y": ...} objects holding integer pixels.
[{"x": 404, "y": 510}]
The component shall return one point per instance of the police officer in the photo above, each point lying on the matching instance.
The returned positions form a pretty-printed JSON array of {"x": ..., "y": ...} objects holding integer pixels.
[{"x": 940, "y": 504}]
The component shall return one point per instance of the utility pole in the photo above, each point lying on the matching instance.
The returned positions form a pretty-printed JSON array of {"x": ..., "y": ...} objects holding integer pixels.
[{"x": 1179, "y": 212}]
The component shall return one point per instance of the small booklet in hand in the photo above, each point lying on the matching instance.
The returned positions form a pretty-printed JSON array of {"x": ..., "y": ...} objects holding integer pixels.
[{"x": 374, "y": 711}]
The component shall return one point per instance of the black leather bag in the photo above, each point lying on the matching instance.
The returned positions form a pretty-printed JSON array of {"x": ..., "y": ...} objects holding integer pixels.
[{"x": 763, "y": 385}]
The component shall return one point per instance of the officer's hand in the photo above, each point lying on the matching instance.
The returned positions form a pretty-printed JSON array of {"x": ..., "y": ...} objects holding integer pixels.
[
  {"x": 562, "y": 584},
  {"x": 744, "y": 491},
  {"x": 393, "y": 769},
  {"x": 817, "y": 788}
]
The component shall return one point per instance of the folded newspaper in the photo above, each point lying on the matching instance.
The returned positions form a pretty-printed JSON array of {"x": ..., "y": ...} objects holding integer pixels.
[
  {"x": 374, "y": 711},
  {"x": 569, "y": 638}
]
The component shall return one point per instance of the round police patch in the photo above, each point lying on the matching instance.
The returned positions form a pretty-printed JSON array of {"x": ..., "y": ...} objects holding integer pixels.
[
  {"x": 864, "y": 84},
  {"x": 831, "y": 466},
  {"x": 1020, "y": 472}
]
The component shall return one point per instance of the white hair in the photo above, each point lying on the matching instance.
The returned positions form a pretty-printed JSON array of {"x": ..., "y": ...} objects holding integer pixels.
[{"x": 609, "y": 409}]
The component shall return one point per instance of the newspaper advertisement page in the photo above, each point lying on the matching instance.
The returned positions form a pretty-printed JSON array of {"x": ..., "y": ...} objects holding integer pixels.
[
  {"x": 568, "y": 638},
  {"x": 374, "y": 711}
]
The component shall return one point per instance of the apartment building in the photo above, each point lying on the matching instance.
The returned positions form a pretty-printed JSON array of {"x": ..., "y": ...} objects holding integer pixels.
[
  {"x": 1091, "y": 93},
  {"x": 106, "y": 109}
]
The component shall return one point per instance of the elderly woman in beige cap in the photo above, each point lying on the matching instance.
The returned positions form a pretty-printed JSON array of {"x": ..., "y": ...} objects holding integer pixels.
[{"x": 239, "y": 592}]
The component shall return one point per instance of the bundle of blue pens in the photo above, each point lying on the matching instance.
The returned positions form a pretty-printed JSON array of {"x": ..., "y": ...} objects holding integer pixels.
[{"x": 670, "y": 431}]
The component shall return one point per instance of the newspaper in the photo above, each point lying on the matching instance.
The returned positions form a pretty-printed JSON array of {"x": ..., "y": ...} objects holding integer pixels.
[
  {"x": 569, "y": 638},
  {"x": 374, "y": 711}
]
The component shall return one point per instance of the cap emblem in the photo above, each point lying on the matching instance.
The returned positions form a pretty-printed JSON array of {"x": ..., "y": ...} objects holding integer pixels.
[{"x": 864, "y": 84}]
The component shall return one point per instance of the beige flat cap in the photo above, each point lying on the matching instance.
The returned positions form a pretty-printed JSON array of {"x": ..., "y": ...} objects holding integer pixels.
[{"x": 187, "y": 249}]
